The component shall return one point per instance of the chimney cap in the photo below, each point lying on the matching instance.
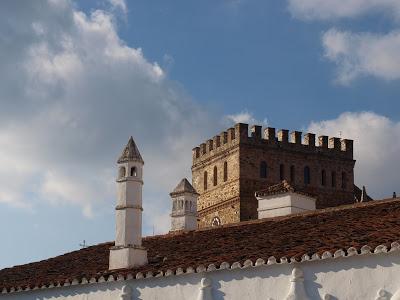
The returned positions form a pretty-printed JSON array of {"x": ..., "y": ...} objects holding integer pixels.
[
  {"x": 130, "y": 153},
  {"x": 184, "y": 186}
]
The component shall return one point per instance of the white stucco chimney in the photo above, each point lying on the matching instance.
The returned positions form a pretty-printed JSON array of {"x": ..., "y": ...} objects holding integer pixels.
[
  {"x": 283, "y": 199},
  {"x": 128, "y": 251},
  {"x": 184, "y": 207}
]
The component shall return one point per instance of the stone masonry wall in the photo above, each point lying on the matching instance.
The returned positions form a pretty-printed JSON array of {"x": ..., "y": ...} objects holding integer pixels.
[
  {"x": 220, "y": 200},
  {"x": 251, "y": 157},
  {"x": 233, "y": 200}
]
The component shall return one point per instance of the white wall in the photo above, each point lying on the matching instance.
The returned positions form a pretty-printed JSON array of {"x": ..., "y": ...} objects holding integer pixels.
[
  {"x": 284, "y": 204},
  {"x": 355, "y": 277}
]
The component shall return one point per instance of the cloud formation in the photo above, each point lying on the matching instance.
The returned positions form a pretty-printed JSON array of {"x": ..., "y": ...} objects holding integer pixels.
[
  {"x": 243, "y": 117},
  {"x": 363, "y": 54},
  {"x": 356, "y": 54},
  {"x": 335, "y": 9},
  {"x": 72, "y": 92},
  {"x": 376, "y": 148}
]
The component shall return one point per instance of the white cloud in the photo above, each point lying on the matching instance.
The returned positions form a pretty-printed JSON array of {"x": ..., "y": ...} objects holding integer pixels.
[
  {"x": 71, "y": 94},
  {"x": 119, "y": 4},
  {"x": 244, "y": 117},
  {"x": 334, "y": 9},
  {"x": 376, "y": 148},
  {"x": 356, "y": 54},
  {"x": 363, "y": 54}
]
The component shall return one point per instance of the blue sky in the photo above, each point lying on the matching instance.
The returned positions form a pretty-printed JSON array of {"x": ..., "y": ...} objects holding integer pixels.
[{"x": 79, "y": 78}]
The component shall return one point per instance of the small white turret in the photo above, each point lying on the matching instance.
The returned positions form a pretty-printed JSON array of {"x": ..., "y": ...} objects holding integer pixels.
[
  {"x": 184, "y": 207},
  {"x": 128, "y": 251}
]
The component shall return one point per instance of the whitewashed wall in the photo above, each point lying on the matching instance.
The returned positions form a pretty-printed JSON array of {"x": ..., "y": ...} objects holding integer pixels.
[{"x": 356, "y": 277}]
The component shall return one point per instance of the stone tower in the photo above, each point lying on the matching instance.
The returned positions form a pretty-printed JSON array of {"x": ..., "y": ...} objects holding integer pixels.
[
  {"x": 228, "y": 169},
  {"x": 128, "y": 251},
  {"x": 184, "y": 207}
]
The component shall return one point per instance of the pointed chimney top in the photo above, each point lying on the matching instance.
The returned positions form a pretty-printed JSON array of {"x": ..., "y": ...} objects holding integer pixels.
[
  {"x": 130, "y": 153},
  {"x": 363, "y": 194},
  {"x": 183, "y": 187}
]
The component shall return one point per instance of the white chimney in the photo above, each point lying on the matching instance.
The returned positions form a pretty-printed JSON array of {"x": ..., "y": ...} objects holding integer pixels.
[
  {"x": 184, "y": 207},
  {"x": 283, "y": 199},
  {"x": 128, "y": 251}
]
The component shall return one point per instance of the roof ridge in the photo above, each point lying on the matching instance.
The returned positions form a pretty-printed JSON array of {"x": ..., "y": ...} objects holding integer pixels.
[
  {"x": 295, "y": 215},
  {"x": 306, "y": 235}
]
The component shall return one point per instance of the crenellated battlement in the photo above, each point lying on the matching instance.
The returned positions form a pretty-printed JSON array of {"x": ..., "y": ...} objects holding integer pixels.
[{"x": 269, "y": 138}]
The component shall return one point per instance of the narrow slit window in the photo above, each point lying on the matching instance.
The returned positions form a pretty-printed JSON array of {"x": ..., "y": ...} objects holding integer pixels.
[
  {"x": 225, "y": 171},
  {"x": 344, "y": 180},
  {"x": 307, "y": 175},
  {"x": 215, "y": 176},
  {"x": 263, "y": 169},
  {"x": 323, "y": 178},
  {"x": 205, "y": 180}
]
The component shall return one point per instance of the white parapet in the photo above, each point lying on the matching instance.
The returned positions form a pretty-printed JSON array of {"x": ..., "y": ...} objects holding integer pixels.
[{"x": 284, "y": 204}]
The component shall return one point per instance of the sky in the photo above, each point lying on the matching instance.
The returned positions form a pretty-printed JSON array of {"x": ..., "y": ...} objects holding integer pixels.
[{"x": 78, "y": 78}]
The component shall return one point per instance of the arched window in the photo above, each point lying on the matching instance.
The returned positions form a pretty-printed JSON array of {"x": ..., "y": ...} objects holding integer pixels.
[
  {"x": 215, "y": 176},
  {"x": 225, "y": 171},
  {"x": 307, "y": 175},
  {"x": 282, "y": 172},
  {"x": 186, "y": 206},
  {"x": 333, "y": 177},
  {"x": 323, "y": 178},
  {"x": 292, "y": 174},
  {"x": 133, "y": 171},
  {"x": 344, "y": 180},
  {"x": 263, "y": 169},
  {"x": 205, "y": 180},
  {"x": 174, "y": 205},
  {"x": 215, "y": 222},
  {"x": 121, "y": 172}
]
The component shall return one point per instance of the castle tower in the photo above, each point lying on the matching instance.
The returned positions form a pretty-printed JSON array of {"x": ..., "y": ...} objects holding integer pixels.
[
  {"x": 128, "y": 251},
  {"x": 229, "y": 168},
  {"x": 184, "y": 207}
]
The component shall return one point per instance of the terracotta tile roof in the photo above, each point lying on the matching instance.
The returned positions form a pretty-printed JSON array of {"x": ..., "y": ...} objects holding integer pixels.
[{"x": 373, "y": 223}]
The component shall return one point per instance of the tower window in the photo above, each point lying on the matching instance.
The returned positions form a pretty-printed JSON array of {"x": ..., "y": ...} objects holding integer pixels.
[
  {"x": 282, "y": 172},
  {"x": 323, "y": 178},
  {"x": 292, "y": 174},
  {"x": 263, "y": 169},
  {"x": 225, "y": 171},
  {"x": 307, "y": 175},
  {"x": 215, "y": 176},
  {"x": 344, "y": 180},
  {"x": 205, "y": 180},
  {"x": 215, "y": 222},
  {"x": 133, "y": 171},
  {"x": 333, "y": 179},
  {"x": 121, "y": 172}
]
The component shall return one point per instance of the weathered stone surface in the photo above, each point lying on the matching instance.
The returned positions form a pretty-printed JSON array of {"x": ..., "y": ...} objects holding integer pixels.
[{"x": 233, "y": 200}]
